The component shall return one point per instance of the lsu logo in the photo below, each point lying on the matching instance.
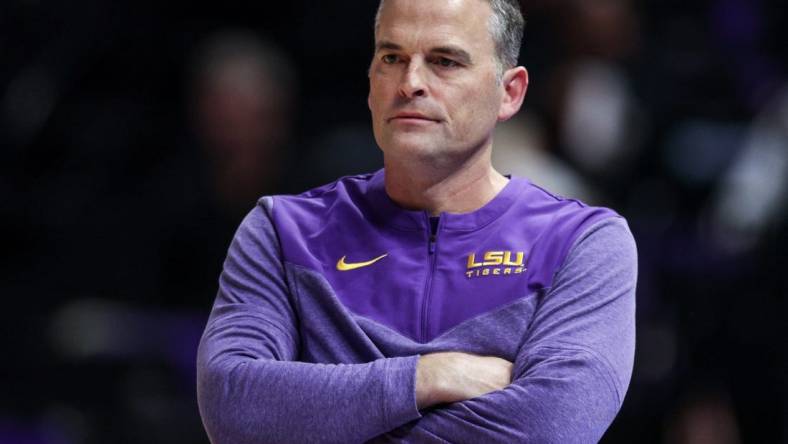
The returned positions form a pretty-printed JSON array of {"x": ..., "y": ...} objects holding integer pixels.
[{"x": 495, "y": 263}]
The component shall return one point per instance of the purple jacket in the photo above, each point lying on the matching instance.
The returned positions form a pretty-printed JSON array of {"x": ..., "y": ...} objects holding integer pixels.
[{"x": 328, "y": 298}]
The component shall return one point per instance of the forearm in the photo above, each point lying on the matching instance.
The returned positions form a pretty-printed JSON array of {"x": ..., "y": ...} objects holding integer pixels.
[
  {"x": 447, "y": 377},
  {"x": 564, "y": 397},
  {"x": 245, "y": 400}
]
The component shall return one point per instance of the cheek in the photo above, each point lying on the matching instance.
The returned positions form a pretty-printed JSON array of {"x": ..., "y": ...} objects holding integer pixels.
[
  {"x": 475, "y": 112},
  {"x": 377, "y": 97}
]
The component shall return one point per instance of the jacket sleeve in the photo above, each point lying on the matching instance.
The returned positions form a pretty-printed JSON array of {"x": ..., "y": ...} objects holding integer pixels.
[
  {"x": 250, "y": 387},
  {"x": 574, "y": 365}
]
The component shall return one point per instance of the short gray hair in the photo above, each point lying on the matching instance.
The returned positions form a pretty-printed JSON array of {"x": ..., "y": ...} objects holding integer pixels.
[{"x": 506, "y": 28}]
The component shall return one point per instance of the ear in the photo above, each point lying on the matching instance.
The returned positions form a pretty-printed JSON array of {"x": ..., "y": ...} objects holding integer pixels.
[{"x": 514, "y": 84}]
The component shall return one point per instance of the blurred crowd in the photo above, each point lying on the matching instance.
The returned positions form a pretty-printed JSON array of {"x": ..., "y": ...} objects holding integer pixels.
[{"x": 135, "y": 136}]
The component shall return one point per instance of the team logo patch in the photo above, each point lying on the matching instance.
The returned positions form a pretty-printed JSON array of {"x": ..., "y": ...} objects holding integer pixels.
[{"x": 495, "y": 263}]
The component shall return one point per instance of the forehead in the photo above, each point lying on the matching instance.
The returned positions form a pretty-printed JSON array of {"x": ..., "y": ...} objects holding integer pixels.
[{"x": 461, "y": 23}]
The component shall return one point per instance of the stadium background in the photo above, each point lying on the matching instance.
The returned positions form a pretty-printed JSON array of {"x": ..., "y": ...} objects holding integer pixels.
[{"x": 135, "y": 135}]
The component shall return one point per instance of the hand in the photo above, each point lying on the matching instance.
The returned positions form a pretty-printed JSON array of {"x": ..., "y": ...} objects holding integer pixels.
[{"x": 453, "y": 376}]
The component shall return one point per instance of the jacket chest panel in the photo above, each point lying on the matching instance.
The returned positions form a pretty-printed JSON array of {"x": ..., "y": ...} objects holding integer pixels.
[{"x": 420, "y": 290}]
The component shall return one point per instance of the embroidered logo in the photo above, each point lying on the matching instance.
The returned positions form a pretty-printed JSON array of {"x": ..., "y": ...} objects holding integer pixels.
[
  {"x": 495, "y": 263},
  {"x": 347, "y": 266}
]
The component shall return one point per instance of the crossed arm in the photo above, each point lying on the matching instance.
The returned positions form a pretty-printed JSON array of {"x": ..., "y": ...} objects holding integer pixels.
[
  {"x": 566, "y": 384},
  {"x": 573, "y": 367}
]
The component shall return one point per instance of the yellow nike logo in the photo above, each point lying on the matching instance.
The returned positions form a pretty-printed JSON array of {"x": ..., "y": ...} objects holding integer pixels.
[{"x": 344, "y": 266}]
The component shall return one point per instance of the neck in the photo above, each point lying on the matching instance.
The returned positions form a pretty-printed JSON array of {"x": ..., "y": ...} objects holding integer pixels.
[{"x": 438, "y": 187}]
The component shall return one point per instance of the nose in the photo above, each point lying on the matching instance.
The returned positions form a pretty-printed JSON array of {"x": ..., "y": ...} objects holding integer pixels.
[{"x": 413, "y": 84}]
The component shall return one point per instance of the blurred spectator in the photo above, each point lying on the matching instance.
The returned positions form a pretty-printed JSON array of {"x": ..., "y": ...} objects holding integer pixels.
[
  {"x": 600, "y": 122},
  {"x": 242, "y": 105},
  {"x": 241, "y": 93},
  {"x": 520, "y": 149},
  {"x": 751, "y": 198},
  {"x": 703, "y": 417}
]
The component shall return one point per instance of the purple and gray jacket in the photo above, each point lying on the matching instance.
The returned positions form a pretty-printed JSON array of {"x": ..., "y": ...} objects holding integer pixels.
[{"x": 328, "y": 298}]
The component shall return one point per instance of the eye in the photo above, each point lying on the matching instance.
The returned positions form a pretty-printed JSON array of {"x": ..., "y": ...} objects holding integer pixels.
[
  {"x": 390, "y": 59},
  {"x": 444, "y": 62}
]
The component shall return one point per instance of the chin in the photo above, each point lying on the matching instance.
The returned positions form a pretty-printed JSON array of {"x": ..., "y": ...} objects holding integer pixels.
[
  {"x": 411, "y": 147},
  {"x": 424, "y": 155}
]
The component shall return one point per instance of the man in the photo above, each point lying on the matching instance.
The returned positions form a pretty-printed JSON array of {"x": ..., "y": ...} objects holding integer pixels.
[{"x": 435, "y": 300}]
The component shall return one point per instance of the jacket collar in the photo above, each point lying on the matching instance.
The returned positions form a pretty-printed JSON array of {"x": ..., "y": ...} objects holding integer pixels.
[{"x": 390, "y": 213}]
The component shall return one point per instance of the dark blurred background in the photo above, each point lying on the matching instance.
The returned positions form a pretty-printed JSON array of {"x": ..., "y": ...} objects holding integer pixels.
[{"x": 134, "y": 136}]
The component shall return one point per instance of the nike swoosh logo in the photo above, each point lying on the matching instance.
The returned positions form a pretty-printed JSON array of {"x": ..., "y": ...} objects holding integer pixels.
[{"x": 344, "y": 266}]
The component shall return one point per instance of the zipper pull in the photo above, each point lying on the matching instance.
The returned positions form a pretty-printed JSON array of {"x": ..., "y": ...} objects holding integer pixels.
[{"x": 433, "y": 223}]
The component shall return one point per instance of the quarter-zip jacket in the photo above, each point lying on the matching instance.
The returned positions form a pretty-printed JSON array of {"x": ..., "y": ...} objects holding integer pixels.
[{"x": 328, "y": 298}]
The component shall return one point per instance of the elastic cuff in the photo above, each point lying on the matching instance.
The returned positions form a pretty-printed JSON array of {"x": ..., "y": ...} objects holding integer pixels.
[{"x": 400, "y": 391}]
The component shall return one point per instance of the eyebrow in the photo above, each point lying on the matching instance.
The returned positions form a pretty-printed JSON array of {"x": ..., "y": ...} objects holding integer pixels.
[
  {"x": 385, "y": 44},
  {"x": 453, "y": 51}
]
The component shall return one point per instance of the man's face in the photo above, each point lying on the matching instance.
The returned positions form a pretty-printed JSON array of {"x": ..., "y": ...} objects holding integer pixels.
[{"x": 434, "y": 91}]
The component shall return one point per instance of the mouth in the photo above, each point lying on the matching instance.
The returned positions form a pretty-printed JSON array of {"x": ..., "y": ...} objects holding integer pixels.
[{"x": 412, "y": 118}]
